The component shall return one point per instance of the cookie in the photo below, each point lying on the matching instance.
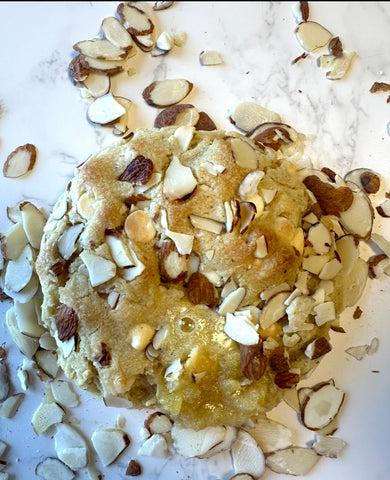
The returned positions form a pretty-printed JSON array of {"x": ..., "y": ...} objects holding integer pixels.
[{"x": 175, "y": 274}]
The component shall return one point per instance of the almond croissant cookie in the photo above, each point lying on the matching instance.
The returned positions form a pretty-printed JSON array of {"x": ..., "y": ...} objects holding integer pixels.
[{"x": 197, "y": 272}]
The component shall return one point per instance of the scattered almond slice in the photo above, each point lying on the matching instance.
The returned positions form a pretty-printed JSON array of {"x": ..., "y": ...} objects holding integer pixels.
[
  {"x": 365, "y": 178},
  {"x": 109, "y": 67},
  {"x": 191, "y": 443},
  {"x": 340, "y": 66},
  {"x": 359, "y": 351},
  {"x": 384, "y": 208},
  {"x": 358, "y": 218},
  {"x": 136, "y": 21},
  {"x": 155, "y": 446},
  {"x": 158, "y": 422},
  {"x": 27, "y": 317},
  {"x": 20, "y": 161},
  {"x": 100, "y": 48},
  {"x": 33, "y": 221},
  {"x": 64, "y": 394},
  {"x": 27, "y": 345},
  {"x": 239, "y": 328},
  {"x": 13, "y": 241},
  {"x": 243, "y": 153},
  {"x": 207, "y": 224},
  {"x": 70, "y": 446},
  {"x": 4, "y": 382},
  {"x": 164, "y": 93},
  {"x": 97, "y": 84},
  {"x": 51, "y": 468},
  {"x": 19, "y": 271},
  {"x": 329, "y": 446},
  {"x": 210, "y": 58},
  {"x": 165, "y": 42},
  {"x": 175, "y": 115},
  {"x": 321, "y": 406},
  {"x": 247, "y": 455},
  {"x": 11, "y": 405},
  {"x": 271, "y": 435},
  {"x": 45, "y": 416},
  {"x": 47, "y": 361},
  {"x": 109, "y": 443},
  {"x": 311, "y": 35},
  {"x": 105, "y": 109},
  {"x": 116, "y": 33},
  {"x": 162, "y": 5},
  {"x": 292, "y": 461},
  {"x": 246, "y": 116},
  {"x": 121, "y": 126}
]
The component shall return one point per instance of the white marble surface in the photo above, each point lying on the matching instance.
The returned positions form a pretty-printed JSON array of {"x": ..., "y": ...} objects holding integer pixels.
[{"x": 347, "y": 127}]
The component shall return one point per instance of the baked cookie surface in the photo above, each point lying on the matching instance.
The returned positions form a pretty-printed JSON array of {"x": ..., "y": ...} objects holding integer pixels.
[{"x": 171, "y": 268}]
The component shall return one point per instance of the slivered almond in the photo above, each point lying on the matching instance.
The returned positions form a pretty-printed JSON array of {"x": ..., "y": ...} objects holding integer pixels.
[
  {"x": 134, "y": 19},
  {"x": 272, "y": 135},
  {"x": 116, "y": 33},
  {"x": 100, "y": 48},
  {"x": 97, "y": 84},
  {"x": 164, "y": 93},
  {"x": 90, "y": 64},
  {"x": 20, "y": 161}
]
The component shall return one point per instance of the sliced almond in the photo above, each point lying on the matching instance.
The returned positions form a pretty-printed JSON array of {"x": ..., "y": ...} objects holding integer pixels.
[
  {"x": 33, "y": 221},
  {"x": 247, "y": 455},
  {"x": 77, "y": 71},
  {"x": 64, "y": 394},
  {"x": 248, "y": 212},
  {"x": 271, "y": 435},
  {"x": 100, "y": 48},
  {"x": 232, "y": 301},
  {"x": 27, "y": 345},
  {"x": 67, "y": 241},
  {"x": 300, "y": 11},
  {"x": 210, "y": 58},
  {"x": 100, "y": 269},
  {"x": 272, "y": 135},
  {"x": 109, "y": 443},
  {"x": 116, "y": 33},
  {"x": 109, "y": 67},
  {"x": 162, "y": 5},
  {"x": 179, "y": 181},
  {"x": 194, "y": 443},
  {"x": 246, "y": 116},
  {"x": 358, "y": 351},
  {"x": 51, "y": 468},
  {"x": 273, "y": 310},
  {"x": 146, "y": 43},
  {"x": 322, "y": 406},
  {"x": 20, "y": 161},
  {"x": 19, "y": 271},
  {"x": 136, "y": 21},
  {"x": 163, "y": 93},
  {"x": 384, "y": 208},
  {"x": 358, "y": 218},
  {"x": 158, "y": 422},
  {"x": 13, "y": 241},
  {"x": 105, "y": 109},
  {"x": 45, "y": 416},
  {"x": 232, "y": 217},
  {"x": 317, "y": 348},
  {"x": 174, "y": 115},
  {"x": 244, "y": 154},
  {"x": 292, "y": 461},
  {"x": 365, "y": 178},
  {"x": 165, "y": 41},
  {"x": 311, "y": 35},
  {"x": 329, "y": 446},
  {"x": 121, "y": 126},
  {"x": 320, "y": 239},
  {"x": 378, "y": 265},
  {"x": 207, "y": 224},
  {"x": 70, "y": 446},
  {"x": 11, "y": 405},
  {"x": 97, "y": 84},
  {"x": 340, "y": 66},
  {"x": 155, "y": 446},
  {"x": 239, "y": 328},
  {"x": 27, "y": 318},
  {"x": 4, "y": 382}
]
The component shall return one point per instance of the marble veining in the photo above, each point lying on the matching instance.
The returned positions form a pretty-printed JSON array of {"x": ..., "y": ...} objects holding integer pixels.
[{"x": 346, "y": 127}]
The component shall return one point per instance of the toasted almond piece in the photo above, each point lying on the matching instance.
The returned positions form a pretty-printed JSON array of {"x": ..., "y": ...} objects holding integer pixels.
[
  {"x": 244, "y": 154},
  {"x": 135, "y": 20},
  {"x": 47, "y": 362},
  {"x": 210, "y": 58},
  {"x": 109, "y": 67},
  {"x": 122, "y": 125},
  {"x": 68, "y": 239},
  {"x": 77, "y": 71},
  {"x": 20, "y": 161},
  {"x": 13, "y": 242},
  {"x": 155, "y": 446},
  {"x": 100, "y": 269},
  {"x": 246, "y": 116},
  {"x": 272, "y": 135},
  {"x": 179, "y": 181},
  {"x": 45, "y": 416},
  {"x": 64, "y": 394},
  {"x": 311, "y": 35},
  {"x": 247, "y": 455},
  {"x": 163, "y": 93},
  {"x": 191, "y": 443},
  {"x": 365, "y": 178},
  {"x": 271, "y": 435},
  {"x": 116, "y": 33},
  {"x": 292, "y": 461},
  {"x": 4, "y": 382},
  {"x": 329, "y": 446},
  {"x": 105, "y": 109},
  {"x": 109, "y": 443},
  {"x": 340, "y": 66},
  {"x": 33, "y": 221},
  {"x": 321, "y": 406},
  {"x": 11, "y": 405},
  {"x": 232, "y": 301},
  {"x": 273, "y": 310},
  {"x": 384, "y": 208},
  {"x": 240, "y": 328},
  {"x": 100, "y": 48},
  {"x": 70, "y": 446},
  {"x": 358, "y": 218},
  {"x": 317, "y": 348},
  {"x": 27, "y": 345},
  {"x": 52, "y": 468},
  {"x": 158, "y": 422},
  {"x": 162, "y": 5},
  {"x": 170, "y": 115},
  {"x": 19, "y": 271},
  {"x": 207, "y": 224},
  {"x": 97, "y": 84}
]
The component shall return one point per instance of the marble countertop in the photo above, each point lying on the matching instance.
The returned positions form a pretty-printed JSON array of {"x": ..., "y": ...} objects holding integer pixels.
[{"x": 346, "y": 125}]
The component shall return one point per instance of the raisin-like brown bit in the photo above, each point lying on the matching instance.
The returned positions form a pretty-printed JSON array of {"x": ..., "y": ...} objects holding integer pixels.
[
  {"x": 67, "y": 322},
  {"x": 138, "y": 171}
]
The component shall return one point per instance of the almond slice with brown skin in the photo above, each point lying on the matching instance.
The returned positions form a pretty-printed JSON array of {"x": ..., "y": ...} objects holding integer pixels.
[
  {"x": 246, "y": 116},
  {"x": 292, "y": 461},
  {"x": 384, "y": 208},
  {"x": 105, "y": 109},
  {"x": 191, "y": 443},
  {"x": 33, "y": 221},
  {"x": 136, "y": 21},
  {"x": 97, "y": 84},
  {"x": 247, "y": 455},
  {"x": 179, "y": 181},
  {"x": 13, "y": 241},
  {"x": 100, "y": 48},
  {"x": 70, "y": 446},
  {"x": 162, "y": 5},
  {"x": 20, "y": 161},
  {"x": 359, "y": 217},
  {"x": 116, "y": 33},
  {"x": 321, "y": 406},
  {"x": 109, "y": 67},
  {"x": 271, "y": 435},
  {"x": 311, "y": 35},
  {"x": 164, "y": 93},
  {"x": 51, "y": 468}
]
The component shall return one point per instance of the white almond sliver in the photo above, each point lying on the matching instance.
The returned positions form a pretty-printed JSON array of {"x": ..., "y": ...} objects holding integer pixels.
[{"x": 105, "y": 109}]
